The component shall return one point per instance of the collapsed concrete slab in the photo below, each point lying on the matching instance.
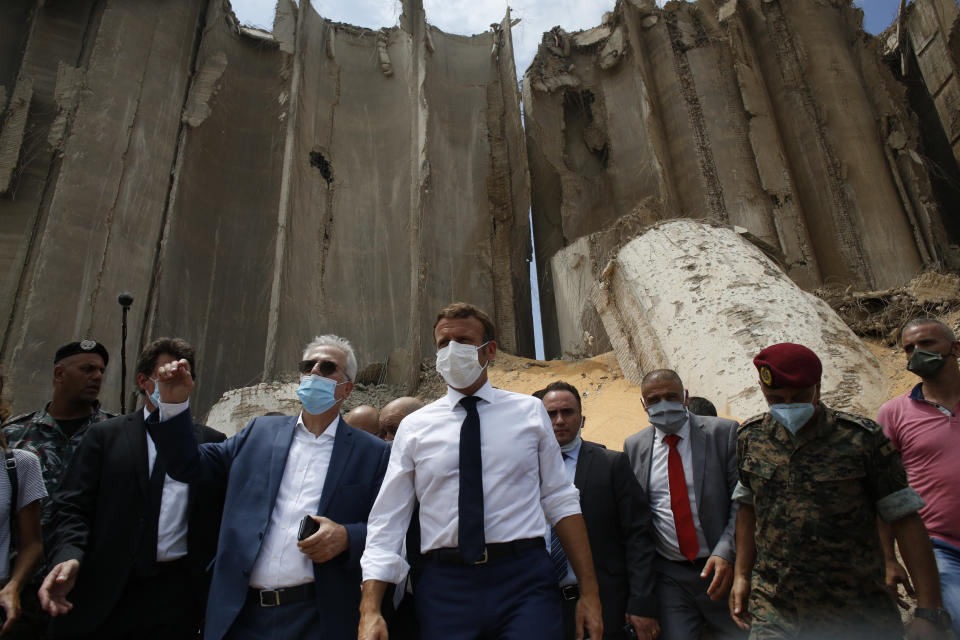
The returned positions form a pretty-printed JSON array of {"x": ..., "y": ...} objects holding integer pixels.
[
  {"x": 778, "y": 117},
  {"x": 703, "y": 301}
]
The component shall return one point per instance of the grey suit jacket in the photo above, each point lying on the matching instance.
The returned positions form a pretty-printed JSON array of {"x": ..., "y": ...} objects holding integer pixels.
[{"x": 714, "y": 446}]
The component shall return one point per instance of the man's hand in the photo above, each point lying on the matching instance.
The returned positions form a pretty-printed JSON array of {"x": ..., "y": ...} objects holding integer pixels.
[
  {"x": 10, "y": 601},
  {"x": 176, "y": 383},
  {"x": 722, "y": 577},
  {"x": 921, "y": 629},
  {"x": 58, "y": 583},
  {"x": 739, "y": 596},
  {"x": 645, "y": 628},
  {"x": 897, "y": 575},
  {"x": 372, "y": 627},
  {"x": 328, "y": 542},
  {"x": 588, "y": 616}
]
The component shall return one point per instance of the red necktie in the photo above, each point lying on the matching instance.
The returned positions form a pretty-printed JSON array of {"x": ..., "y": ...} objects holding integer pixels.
[{"x": 680, "y": 501}]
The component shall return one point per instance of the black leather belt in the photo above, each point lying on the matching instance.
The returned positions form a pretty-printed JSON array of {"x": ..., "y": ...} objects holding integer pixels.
[
  {"x": 286, "y": 595},
  {"x": 570, "y": 592},
  {"x": 490, "y": 552}
]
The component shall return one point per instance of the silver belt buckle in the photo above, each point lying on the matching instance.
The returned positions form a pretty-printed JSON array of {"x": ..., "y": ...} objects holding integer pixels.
[
  {"x": 483, "y": 559},
  {"x": 276, "y": 598}
]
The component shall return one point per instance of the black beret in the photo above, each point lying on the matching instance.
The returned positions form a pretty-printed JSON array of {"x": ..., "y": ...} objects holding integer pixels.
[{"x": 84, "y": 346}]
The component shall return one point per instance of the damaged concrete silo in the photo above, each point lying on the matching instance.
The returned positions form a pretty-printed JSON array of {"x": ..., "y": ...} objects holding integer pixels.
[
  {"x": 253, "y": 189},
  {"x": 777, "y": 117}
]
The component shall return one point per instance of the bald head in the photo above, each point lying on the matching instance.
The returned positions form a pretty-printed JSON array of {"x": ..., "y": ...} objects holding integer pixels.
[
  {"x": 364, "y": 417},
  {"x": 394, "y": 412}
]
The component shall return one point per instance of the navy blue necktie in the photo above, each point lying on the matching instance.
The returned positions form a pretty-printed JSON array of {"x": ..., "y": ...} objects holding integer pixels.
[
  {"x": 556, "y": 551},
  {"x": 470, "y": 502}
]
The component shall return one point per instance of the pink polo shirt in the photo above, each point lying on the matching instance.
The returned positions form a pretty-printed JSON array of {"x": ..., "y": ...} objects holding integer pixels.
[{"x": 928, "y": 438}]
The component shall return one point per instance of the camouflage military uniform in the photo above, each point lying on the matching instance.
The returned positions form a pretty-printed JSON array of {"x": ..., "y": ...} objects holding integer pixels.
[
  {"x": 816, "y": 496},
  {"x": 38, "y": 432}
]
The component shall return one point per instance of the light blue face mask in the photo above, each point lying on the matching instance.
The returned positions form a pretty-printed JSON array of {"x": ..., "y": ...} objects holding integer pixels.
[
  {"x": 316, "y": 393},
  {"x": 792, "y": 416},
  {"x": 155, "y": 396}
]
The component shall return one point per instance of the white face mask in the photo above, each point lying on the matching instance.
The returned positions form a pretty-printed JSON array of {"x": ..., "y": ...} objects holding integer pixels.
[{"x": 458, "y": 364}]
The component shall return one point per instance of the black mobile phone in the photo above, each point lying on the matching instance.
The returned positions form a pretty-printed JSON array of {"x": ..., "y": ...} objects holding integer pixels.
[
  {"x": 629, "y": 631},
  {"x": 308, "y": 527}
]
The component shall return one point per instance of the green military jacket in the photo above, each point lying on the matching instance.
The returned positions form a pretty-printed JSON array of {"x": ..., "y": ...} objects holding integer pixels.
[
  {"x": 817, "y": 495},
  {"x": 39, "y": 432}
]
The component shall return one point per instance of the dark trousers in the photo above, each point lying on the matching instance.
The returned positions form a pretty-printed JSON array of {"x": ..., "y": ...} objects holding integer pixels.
[
  {"x": 570, "y": 622},
  {"x": 160, "y": 607},
  {"x": 509, "y": 598},
  {"x": 685, "y": 607},
  {"x": 296, "y": 620},
  {"x": 33, "y": 621}
]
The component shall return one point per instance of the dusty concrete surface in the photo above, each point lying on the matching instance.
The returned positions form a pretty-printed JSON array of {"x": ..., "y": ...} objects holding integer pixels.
[
  {"x": 252, "y": 191},
  {"x": 703, "y": 301},
  {"x": 778, "y": 117}
]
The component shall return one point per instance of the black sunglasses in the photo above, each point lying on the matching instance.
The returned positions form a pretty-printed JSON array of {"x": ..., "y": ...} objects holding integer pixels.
[{"x": 326, "y": 368}]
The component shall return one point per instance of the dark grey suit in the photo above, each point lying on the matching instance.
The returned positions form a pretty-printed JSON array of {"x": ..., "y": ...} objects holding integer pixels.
[{"x": 684, "y": 605}]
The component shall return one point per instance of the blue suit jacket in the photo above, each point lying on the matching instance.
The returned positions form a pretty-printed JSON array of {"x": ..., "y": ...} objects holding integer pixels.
[{"x": 251, "y": 464}]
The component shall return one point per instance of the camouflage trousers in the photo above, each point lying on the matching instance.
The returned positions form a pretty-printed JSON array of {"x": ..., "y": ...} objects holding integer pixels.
[{"x": 818, "y": 618}]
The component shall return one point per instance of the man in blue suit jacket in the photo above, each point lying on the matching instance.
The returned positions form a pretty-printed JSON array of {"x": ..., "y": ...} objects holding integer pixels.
[{"x": 277, "y": 470}]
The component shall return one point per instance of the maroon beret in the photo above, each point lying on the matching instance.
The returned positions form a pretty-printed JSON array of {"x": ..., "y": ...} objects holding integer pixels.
[{"x": 788, "y": 365}]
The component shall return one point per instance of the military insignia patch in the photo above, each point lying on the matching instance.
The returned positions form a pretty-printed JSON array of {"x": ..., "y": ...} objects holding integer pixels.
[
  {"x": 88, "y": 345},
  {"x": 766, "y": 375}
]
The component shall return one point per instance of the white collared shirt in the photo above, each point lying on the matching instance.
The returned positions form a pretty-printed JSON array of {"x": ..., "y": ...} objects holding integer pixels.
[
  {"x": 663, "y": 522},
  {"x": 172, "y": 530},
  {"x": 280, "y": 562},
  {"x": 523, "y": 478}
]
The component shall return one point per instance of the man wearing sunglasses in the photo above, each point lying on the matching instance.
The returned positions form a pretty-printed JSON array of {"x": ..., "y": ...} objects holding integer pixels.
[{"x": 298, "y": 493}]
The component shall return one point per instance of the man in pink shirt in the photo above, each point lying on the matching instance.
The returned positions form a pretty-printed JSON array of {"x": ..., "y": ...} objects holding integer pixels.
[{"x": 924, "y": 425}]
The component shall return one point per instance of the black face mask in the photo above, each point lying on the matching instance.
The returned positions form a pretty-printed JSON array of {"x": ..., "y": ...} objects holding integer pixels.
[{"x": 925, "y": 364}]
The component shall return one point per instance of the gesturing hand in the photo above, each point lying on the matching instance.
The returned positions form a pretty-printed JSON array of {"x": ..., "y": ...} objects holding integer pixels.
[{"x": 176, "y": 383}]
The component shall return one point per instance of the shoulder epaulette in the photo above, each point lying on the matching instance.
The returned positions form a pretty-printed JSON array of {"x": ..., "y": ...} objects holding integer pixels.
[
  {"x": 861, "y": 421},
  {"x": 755, "y": 421}
]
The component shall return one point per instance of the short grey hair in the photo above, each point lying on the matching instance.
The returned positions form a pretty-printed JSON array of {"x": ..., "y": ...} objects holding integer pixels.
[{"x": 331, "y": 340}]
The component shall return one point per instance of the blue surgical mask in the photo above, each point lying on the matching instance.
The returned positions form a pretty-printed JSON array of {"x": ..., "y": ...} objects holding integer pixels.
[
  {"x": 155, "y": 396},
  {"x": 316, "y": 393},
  {"x": 792, "y": 416}
]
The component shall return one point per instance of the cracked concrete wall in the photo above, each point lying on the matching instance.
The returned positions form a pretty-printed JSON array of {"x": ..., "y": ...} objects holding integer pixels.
[
  {"x": 779, "y": 118},
  {"x": 933, "y": 30},
  {"x": 253, "y": 191}
]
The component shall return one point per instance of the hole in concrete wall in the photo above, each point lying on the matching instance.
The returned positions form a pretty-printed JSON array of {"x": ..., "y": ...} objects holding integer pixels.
[
  {"x": 586, "y": 149},
  {"x": 320, "y": 162}
]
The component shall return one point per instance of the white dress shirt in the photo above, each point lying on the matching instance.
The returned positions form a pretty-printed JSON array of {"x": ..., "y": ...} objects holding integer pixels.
[
  {"x": 523, "y": 478},
  {"x": 280, "y": 562},
  {"x": 172, "y": 531},
  {"x": 663, "y": 522},
  {"x": 570, "y": 467}
]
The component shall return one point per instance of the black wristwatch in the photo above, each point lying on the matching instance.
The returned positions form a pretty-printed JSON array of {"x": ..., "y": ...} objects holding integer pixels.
[{"x": 939, "y": 617}]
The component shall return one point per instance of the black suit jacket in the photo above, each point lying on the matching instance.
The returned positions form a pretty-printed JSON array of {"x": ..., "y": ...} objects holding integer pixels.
[
  {"x": 102, "y": 512},
  {"x": 622, "y": 543}
]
